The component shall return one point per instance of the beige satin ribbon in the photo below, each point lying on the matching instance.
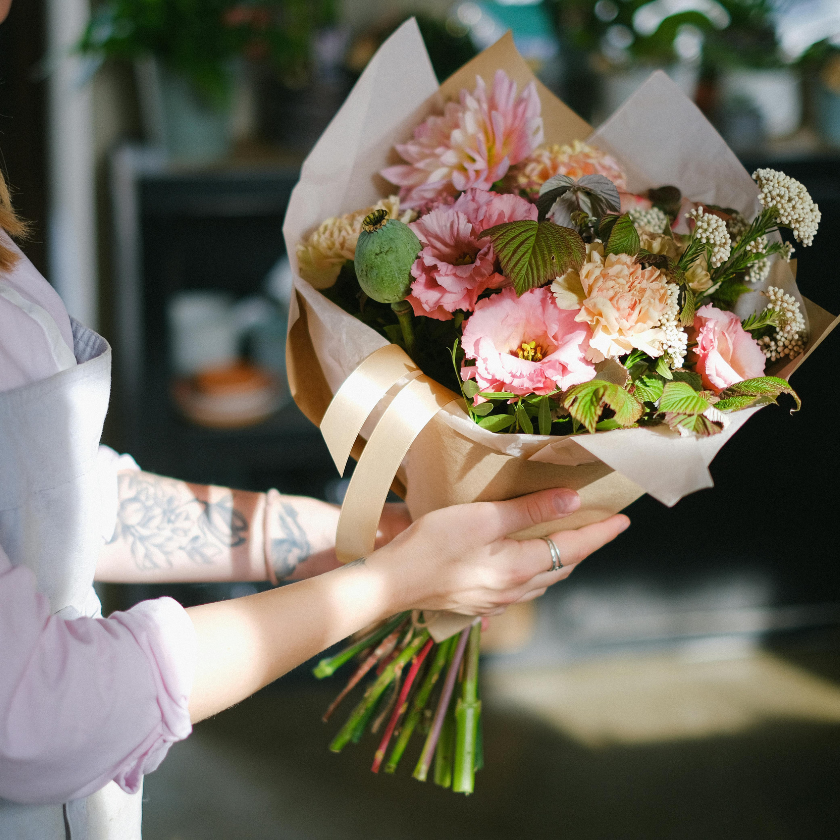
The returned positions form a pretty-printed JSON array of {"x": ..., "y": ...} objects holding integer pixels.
[{"x": 417, "y": 401}]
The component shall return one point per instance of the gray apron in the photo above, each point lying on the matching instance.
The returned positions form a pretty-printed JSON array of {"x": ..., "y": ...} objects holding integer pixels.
[{"x": 50, "y": 521}]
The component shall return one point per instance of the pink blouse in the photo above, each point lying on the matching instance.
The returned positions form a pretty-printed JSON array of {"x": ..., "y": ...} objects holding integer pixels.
[{"x": 88, "y": 700}]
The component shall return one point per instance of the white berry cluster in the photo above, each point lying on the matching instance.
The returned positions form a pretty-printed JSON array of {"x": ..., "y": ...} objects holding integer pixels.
[
  {"x": 736, "y": 226},
  {"x": 711, "y": 230},
  {"x": 674, "y": 341},
  {"x": 790, "y": 334},
  {"x": 757, "y": 271},
  {"x": 652, "y": 220},
  {"x": 793, "y": 205}
]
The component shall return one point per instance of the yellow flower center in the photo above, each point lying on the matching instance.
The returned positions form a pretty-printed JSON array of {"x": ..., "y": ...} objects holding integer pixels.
[
  {"x": 464, "y": 259},
  {"x": 530, "y": 351}
]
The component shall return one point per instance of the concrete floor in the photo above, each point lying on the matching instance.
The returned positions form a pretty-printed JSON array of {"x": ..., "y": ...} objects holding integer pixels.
[{"x": 716, "y": 737}]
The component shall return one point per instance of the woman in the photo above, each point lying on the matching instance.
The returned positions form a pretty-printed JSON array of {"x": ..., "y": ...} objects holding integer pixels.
[{"x": 88, "y": 705}]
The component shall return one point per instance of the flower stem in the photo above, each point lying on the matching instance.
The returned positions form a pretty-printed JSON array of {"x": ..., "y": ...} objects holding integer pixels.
[
  {"x": 373, "y": 694},
  {"x": 422, "y": 769},
  {"x": 401, "y": 706},
  {"x": 382, "y": 651},
  {"x": 419, "y": 704},
  {"x": 327, "y": 667},
  {"x": 404, "y": 314},
  {"x": 445, "y": 752},
  {"x": 467, "y": 716}
]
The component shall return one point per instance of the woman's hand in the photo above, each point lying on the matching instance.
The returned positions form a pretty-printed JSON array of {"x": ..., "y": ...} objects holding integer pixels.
[
  {"x": 457, "y": 559},
  {"x": 460, "y": 558}
]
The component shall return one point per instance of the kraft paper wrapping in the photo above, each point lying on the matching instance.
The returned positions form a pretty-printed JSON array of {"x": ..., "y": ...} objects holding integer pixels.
[{"x": 659, "y": 137}]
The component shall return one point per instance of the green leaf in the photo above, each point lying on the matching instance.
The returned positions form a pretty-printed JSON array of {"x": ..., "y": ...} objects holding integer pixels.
[
  {"x": 648, "y": 388},
  {"x": 605, "y": 227},
  {"x": 689, "y": 376},
  {"x": 770, "y": 387},
  {"x": 497, "y": 395},
  {"x": 523, "y": 419},
  {"x": 561, "y": 198},
  {"x": 681, "y": 398},
  {"x": 695, "y": 424},
  {"x": 482, "y": 408},
  {"x": 663, "y": 369},
  {"x": 736, "y": 403},
  {"x": 534, "y": 253},
  {"x": 634, "y": 357},
  {"x": 607, "y": 426},
  {"x": 496, "y": 422},
  {"x": 758, "y": 321},
  {"x": 587, "y": 401},
  {"x": 544, "y": 416},
  {"x": 470, "y": 388},
  {"x": 689, "y": 307},
  {"x": 624, "y": 238}
]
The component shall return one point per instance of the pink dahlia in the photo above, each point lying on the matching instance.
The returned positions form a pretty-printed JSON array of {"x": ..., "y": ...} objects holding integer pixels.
[
  {"x": 575, "y": 160},
  {"x": 473, "y": 144},
  {"x": 525, "y": 345},
  {"x": 454, "y": 267}
]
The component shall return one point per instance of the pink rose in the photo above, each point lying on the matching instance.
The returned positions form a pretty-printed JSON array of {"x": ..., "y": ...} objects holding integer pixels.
[
  {"x": 725, "y": 352},
  {"x": 525, "y": 345}
]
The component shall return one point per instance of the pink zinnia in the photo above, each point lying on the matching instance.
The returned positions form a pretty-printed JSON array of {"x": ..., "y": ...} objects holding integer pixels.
[
  {"x": 454, "y": 267},
  {"x": 473, "y": 144},
  {"x": 525, "y": 345}
]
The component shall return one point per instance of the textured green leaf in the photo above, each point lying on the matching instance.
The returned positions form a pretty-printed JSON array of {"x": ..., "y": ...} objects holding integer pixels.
[
  {"x": 763, "y": 386},
  {"x": 689, "y": 376},
  {"x": 544, "y": 416},
  {"x": 534, "y": 253},
  {"x": 667, "y": 199},
  {"x": 602, "y": 195},
  {"x": 497, "y": 395},
  {"x": 737, "y": 403},
  {"x": 496, "y": 422},
  {"x": 624, "y": 238},
  {"x": 695, "y": 424},
  {"x": 728, "y": 293},
  {"x": 587, "y": 401},
  {"x": 681, "y": 398},
  {"x": 648, "y": 388}
]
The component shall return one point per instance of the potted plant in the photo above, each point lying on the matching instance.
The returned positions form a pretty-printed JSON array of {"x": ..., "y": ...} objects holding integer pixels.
[
  {"x": 624, "y": 41},
  {"x": 186, "y": 53},
  {"x": 752, "y": 71}
]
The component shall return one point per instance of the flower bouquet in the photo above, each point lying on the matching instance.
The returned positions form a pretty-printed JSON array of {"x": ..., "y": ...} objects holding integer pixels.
[{"x": 486, "y": 305}]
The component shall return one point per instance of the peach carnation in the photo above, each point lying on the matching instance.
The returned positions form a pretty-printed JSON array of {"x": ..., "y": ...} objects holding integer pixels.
[
  {"x": 321, "y": 256},
  {"x": 473, "y": 144},
  {"x": 525, "y": 345},
  {"x": 455, "y": 266},
  {"x": 623, "y": 303},
  {"x": 575, "y": 160}
]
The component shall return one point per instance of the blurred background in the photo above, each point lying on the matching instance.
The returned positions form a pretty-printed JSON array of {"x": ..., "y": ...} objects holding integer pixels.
[{"x": 676, "y": 686}]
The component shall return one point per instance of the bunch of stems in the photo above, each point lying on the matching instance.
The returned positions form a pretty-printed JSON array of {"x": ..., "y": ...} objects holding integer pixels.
[{"x": 416, "y": 686}]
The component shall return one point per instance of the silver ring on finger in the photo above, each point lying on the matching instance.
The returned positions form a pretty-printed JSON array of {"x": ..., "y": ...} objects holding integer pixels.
[{"x": 556, "y": 562}]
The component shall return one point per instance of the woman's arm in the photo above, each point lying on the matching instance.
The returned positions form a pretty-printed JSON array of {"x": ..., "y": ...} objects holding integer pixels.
[
  {"x": 458, "y": 559},
  {"x": 172, "y": 531}
]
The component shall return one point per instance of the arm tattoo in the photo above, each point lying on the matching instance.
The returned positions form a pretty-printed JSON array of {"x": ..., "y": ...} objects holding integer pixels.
[
  {"x": 161, "y": 522},
  {"x": 289, "y": 545}
]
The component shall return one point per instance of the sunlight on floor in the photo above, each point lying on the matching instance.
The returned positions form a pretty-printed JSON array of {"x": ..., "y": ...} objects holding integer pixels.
[{"x": 719, "y": 687}]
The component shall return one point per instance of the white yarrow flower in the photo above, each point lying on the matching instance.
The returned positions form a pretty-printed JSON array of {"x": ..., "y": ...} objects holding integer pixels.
[
  {"x": 652, "y": 220},
  {"x": 711, "y": 230},
  {"x": 793, "y": 204},
  {"x": 790, "y": 334}
]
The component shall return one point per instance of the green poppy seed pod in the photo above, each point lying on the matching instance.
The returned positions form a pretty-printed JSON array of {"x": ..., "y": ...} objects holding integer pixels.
[{"x": 385, "y": 252}]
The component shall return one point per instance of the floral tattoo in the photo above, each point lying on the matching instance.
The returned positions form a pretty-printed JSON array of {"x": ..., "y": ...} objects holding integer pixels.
[
  {"x": 288, "y": 544},
  {"x": 163, "y": 522}
]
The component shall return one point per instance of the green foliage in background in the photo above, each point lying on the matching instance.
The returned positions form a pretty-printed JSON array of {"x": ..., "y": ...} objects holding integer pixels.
[{"x": 199, "y": 38}]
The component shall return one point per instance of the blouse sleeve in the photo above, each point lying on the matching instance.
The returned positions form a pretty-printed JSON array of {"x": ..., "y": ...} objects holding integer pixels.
[{"x": 85, "y": 701}]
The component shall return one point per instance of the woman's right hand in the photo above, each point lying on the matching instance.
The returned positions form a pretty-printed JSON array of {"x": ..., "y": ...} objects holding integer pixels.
[{"x": 460, "y": 558}]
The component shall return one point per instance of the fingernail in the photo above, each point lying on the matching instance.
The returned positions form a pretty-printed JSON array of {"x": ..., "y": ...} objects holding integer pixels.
[{"x": 565, "y": 501}]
